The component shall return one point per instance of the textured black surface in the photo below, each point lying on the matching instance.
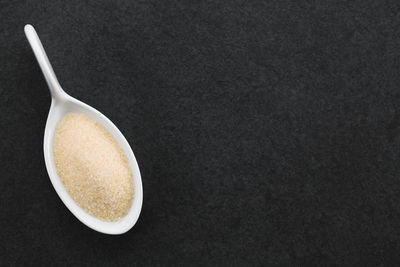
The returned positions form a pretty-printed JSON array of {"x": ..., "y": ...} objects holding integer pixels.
[{"x": 267, "y": 132}]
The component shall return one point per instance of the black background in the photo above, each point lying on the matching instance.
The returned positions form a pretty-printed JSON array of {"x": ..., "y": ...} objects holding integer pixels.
[{"x": 267, "y": 132}]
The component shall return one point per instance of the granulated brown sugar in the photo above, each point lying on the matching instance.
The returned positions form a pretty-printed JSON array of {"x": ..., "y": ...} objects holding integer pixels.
[{"x": 93, "y": 167}]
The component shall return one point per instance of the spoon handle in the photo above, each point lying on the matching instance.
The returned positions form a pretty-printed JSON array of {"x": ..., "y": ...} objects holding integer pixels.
[{"x": 44, "y": 63}]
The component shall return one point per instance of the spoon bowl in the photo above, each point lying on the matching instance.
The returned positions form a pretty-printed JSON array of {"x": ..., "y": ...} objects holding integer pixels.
[{"x": 62, "y": 104}]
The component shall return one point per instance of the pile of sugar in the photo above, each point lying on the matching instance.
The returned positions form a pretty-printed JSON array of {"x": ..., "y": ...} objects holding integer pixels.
[{"x": 92, "y": 167}]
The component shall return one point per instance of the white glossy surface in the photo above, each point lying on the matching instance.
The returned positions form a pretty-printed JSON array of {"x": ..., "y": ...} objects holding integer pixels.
[{"x": 61, "y": 104}]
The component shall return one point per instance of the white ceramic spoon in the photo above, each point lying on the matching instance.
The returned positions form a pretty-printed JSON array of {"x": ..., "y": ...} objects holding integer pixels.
[{"x": 61, "y": 104}]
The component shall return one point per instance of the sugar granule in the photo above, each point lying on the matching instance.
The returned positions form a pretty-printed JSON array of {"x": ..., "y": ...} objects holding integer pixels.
[{"x": 93, "y": 167}]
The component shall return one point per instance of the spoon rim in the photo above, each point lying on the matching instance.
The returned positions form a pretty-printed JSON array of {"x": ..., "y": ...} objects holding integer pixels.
[{"x": 113, "y": 228}]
